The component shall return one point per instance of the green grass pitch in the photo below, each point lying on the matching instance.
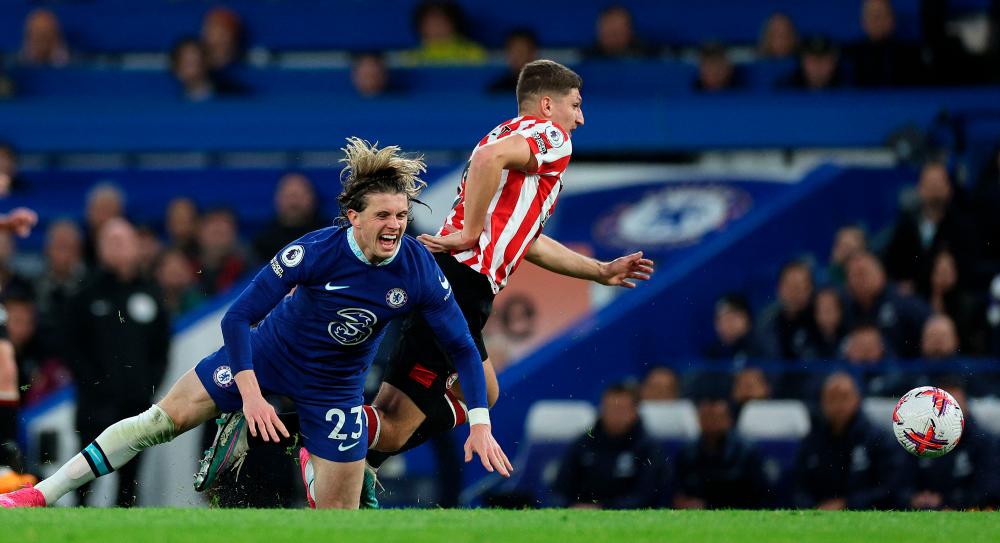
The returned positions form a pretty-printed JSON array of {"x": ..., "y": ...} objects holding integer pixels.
[{"x": 454, "y": 526}]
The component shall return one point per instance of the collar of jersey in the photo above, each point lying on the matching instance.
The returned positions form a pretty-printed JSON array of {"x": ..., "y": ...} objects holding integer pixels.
[{"x": 361, "y": 255}]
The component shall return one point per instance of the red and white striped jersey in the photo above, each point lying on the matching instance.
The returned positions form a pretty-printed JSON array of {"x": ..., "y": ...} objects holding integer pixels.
[{"x": 522, "y": 203}]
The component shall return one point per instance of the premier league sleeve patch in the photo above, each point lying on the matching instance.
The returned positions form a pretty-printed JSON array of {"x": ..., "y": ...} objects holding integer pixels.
[
  {"x": 292, "y": 256},
  {"x": 555, "y": 137}
]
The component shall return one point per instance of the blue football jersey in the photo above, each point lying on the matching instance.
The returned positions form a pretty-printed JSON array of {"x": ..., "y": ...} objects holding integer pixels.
[{"x": 323, "y": 336}]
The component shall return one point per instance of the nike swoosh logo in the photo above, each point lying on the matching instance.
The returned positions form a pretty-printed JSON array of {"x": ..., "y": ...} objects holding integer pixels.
[
  {"x": 341, "y": 447},
  {"x": 444, "y": 282},
  {"x": 333, "y": 287}
]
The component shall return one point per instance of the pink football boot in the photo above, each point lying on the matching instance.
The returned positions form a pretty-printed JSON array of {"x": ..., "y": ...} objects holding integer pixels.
[
  {"x": 28, "y": 496},
  {"x": 307, "y": 476}
]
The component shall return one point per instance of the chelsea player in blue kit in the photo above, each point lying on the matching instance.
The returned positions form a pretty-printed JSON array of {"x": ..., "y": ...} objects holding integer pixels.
[{"x": 314, "y": 345}]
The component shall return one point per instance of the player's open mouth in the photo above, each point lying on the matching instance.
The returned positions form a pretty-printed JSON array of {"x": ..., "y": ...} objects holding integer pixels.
[{"x": 387, "y": 241}]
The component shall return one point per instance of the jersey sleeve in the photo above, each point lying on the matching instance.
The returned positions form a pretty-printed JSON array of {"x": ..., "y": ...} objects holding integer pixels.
[
  {"x": 443, "y": 315},
  {"x": 550, "y": 145},
  {"x": 288, "y": 268}
]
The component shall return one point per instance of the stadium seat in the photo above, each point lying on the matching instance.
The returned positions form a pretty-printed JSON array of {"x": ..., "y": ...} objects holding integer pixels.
[
  {"x": 671, "y": 423},
  {"x": 879, "y": 411},
  {"x": 776, "y": 427},
  {"x": 987, "y": 413},
  {"x": 550, "y": 427}
]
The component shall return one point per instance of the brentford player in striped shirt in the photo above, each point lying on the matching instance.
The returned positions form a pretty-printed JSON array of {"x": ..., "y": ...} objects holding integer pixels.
[{"x": 510, "y": 188}]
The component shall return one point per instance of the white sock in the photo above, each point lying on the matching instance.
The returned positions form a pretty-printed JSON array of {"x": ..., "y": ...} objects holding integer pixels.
[{"x": 116, "y": 445}]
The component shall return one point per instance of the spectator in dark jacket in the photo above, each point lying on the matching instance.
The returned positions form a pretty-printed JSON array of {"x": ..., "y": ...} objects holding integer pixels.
[
  {"x": 121, "y": 338},
  {"x": 615, "y": 465},
  {"x": 935, "y": 226},
  {"x": 785, "y": 325},
  {"x": 221, "y": 258},
  {"x": 827, "y": 335},
  {"x": 871, "y": 300},
  {"x": 845, "y": 462},
  {"x": 520, "y": 48},
  {"x": 962, "y": 479},
  {"x": 881, "y": 59},
  {"x": 819, "y": 66},
  {"x": 734, "y": 331},
  {"x": 720, "y": 470}
]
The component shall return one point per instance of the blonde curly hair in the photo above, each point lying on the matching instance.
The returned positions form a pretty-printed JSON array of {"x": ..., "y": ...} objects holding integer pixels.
[{"x": 369, "y": 169}]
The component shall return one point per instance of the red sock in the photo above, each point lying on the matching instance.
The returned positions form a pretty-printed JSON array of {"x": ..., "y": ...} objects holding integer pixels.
[
  {"x": 458, "y": 408},
  {"x": 374, "y": 425}
]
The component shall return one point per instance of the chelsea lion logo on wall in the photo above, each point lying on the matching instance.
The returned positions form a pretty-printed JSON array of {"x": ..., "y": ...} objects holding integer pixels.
[{"x": 673, "y": 217}]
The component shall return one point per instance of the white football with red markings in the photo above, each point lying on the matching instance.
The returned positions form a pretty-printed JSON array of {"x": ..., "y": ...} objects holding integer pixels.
[{"x": 928, "y": 422}]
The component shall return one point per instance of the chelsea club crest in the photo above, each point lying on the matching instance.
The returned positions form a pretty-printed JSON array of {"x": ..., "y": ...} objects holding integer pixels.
[{"x": 396, "y": 297}]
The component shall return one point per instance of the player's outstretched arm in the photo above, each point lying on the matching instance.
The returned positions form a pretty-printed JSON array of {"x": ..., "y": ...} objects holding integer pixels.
[
  {"x": 556, "y": 257},
  {"x": 481, "y": 183},
  {"x": 19, "y": 221}
]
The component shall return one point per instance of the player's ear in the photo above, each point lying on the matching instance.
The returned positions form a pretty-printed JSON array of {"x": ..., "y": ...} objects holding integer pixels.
[
  {"x": 354, "y": 217},
  {"x": 545, "y": 105}
]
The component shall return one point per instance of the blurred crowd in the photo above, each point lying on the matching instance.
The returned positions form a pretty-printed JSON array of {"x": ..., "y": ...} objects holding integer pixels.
[
  {"x": 929, "y": 288},
  {"x": 205, "y": 65},
  {"x": 845, "y": 461}
]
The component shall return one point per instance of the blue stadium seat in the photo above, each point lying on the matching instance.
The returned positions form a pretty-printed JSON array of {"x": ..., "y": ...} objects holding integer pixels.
[
  {"x": 551, "y": 426},
  {"x": 776, "y": 427}
]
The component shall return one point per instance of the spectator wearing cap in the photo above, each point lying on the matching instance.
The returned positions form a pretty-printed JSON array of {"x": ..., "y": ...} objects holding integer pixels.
[
  {"x": 734, "y": 331},
  {"x": 615, "y": 465},
  {"x": 819, "y": 66},
  {"x": 720, "y": 470}
]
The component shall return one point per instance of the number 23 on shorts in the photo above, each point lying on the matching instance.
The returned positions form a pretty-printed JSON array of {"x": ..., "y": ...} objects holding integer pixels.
[{"x": 353, "y": 419}]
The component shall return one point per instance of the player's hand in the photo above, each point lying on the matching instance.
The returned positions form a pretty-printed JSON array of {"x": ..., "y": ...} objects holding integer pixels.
[
  {"x": 20, "y": 221},
  {"x": 619, "y": 271},
  {"x": 481, "y": 442},
  {"x": 456, "y": 241},
  {"x": 835, "y": 504},
  {"x": 262, "y": 417}
]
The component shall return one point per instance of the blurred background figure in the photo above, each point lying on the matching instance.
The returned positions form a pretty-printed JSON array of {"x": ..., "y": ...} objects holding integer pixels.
[
  {"x": 615, "y": 465},
  {"x": 222, "y": 38},
  {"x": 296, "y": 214},
  {"x": 784, "y": 326},
  {"x": 660, "y": 384},
  {"x": 43, "y": 43},
  {"x": 719, "y": 470},
  {"x": 10, "y": 178},
  {"x": 749, "y": 384},
  {"x": 844, "y": 462},
  {"x": 182, "y": 226},
  {"x": 121, "y": 340},
  {"x": 826, "y": 339},
  {"x": 369, "y": 75},
  {"x": 443, "y": 33},
  {"x": 221, "y": 259},
  {"x": 63, "y": 274},
  {"x": 778, "y": 38},
  {"x": 616, "y": 38},
  {"x": 819, "y": 66},
  {"x": 177, "y": 280},
  {"x": 881, "y": 59},
  {"x": 715, "y": 71},
  {"x": 734, "y": 331},
  {"x": 194, "y": 76},
  {"x": 849, "y": 240},
  {"x": 965, "y": 478},
  {"x": 520, "y": 48},
  {"x": 105, "y": 201}
]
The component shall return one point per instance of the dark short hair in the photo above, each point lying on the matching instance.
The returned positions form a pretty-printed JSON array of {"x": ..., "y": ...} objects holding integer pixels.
[
  {"x": 733, "y": 302},
  {"x": 451, "y": 10},
  {"x": 624, "y": 387},
  {"x": 545, "y": 76}
]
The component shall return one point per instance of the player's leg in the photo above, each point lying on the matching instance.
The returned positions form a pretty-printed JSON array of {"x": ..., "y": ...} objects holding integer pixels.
[
  {"x": 337, "y": 484},
  {"x": 335, "y": 435},
  {"x": 187, "y": 405},
  {"x": 11, "y": 477}
]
